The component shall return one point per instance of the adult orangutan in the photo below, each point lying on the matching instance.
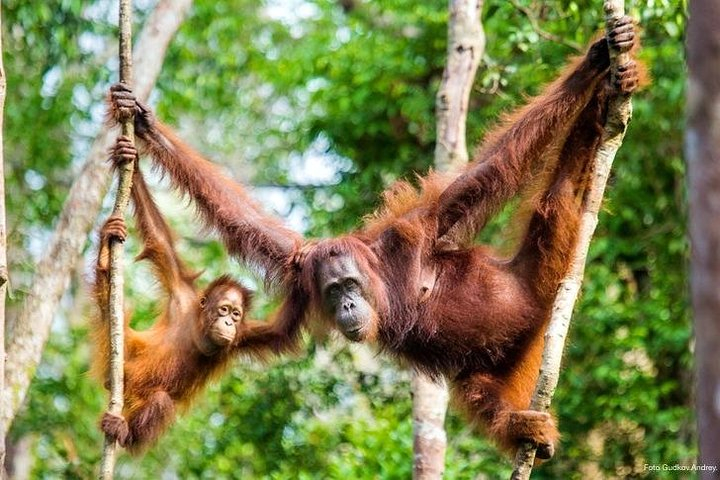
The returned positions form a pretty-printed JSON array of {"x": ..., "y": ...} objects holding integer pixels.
[
  {"x": 194, "y": 338},
  {"x": 411, "y": 280}
]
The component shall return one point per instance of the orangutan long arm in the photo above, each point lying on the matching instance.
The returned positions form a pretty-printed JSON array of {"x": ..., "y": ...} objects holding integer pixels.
[
  {"x": 247, "y": 232},
  {"x": 509, "y": 156},
  {"x": 283, "y": 333}
]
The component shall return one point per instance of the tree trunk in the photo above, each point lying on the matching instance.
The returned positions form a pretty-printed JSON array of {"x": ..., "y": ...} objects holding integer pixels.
[
  {"x": 19, "y": 459},
  {"x": 429, "y": 438},
  {"x": 619, "y": 113},
  {"x": 76, "y": 219},
  {"x": 466, "y": 43},
  {"x": 702, "y": 149},
  {"x": 3, "y": 246}
]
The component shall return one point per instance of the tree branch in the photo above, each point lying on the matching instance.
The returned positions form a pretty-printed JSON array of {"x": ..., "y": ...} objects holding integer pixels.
[
  {"x": 122, "y": 198},
  {"x": 619, "y": 113}
]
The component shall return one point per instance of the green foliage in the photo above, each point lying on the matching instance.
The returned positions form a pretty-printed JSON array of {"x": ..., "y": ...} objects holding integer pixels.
[
  {"x": 33, "y": 60},
  {"x": 279, "y": 84}
]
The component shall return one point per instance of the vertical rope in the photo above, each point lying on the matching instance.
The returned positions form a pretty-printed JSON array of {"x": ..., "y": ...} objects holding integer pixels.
[
  {"x": 619, "y": 113},
  {"x": 117, "y": 342}
]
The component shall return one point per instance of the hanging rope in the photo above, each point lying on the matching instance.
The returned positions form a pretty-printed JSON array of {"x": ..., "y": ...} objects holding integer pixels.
[
  {"x": 619, "y": 113},
  {"x": 117, "y": 342}
]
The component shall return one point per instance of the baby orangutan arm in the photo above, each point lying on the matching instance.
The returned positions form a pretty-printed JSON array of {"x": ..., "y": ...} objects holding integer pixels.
[{"x": 154, "y": 231}]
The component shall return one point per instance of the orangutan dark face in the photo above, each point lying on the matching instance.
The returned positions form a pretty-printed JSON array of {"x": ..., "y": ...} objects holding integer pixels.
[{"x": 343, "y": 289}]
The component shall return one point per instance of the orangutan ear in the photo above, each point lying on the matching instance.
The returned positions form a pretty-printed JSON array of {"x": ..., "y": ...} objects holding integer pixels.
[{"x": 203, "y": 301}]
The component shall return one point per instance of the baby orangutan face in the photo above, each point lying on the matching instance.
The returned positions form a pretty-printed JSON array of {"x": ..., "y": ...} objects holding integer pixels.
[{"x": 223, "y": 310}]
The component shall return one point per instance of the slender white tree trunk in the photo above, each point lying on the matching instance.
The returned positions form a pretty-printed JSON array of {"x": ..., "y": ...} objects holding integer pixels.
[
  {"x": 466, "y": 44},
  {"x": 702, "y": 149},
  {"x": 76, "y": 219},
  {"x": 3, "y": 246},
  {"x": 429, "y": 438}
]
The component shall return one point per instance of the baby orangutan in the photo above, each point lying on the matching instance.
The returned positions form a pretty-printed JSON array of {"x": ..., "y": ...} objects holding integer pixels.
[{"x": 193, "y": 339}]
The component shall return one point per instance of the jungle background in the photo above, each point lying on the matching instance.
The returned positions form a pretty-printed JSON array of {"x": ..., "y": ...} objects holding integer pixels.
[{"x": 320, "y": 105}]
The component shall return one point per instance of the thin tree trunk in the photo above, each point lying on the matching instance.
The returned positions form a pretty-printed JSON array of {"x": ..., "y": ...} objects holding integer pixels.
[
  {"x": 19, "y": 458},
  {"x": 122, "y": 198},
  {"x": 619, "y": 113},
  {"x": 702, "y": 149},
  {"x": 3, "y": 246},
  {"x": 76, "y": 219},
  {"x": 429, "y": 438},
  {"x": 466, "y": 43}
]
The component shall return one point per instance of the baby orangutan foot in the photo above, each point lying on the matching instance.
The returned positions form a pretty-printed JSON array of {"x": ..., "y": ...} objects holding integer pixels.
[
  {"x": 114, "y": 228},
  {"x": 535, "y": 427},
  {"x": 115, "y": 427},
  {"x": 123, "y": 151}
]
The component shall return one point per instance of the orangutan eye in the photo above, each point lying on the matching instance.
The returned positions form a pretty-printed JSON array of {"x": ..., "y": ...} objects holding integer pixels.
[
  {"x": 236, "y": 314},
  {"x": 333, "y": 290},
  {"x": 224, "y": 310}
]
